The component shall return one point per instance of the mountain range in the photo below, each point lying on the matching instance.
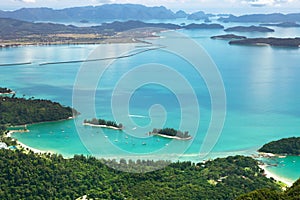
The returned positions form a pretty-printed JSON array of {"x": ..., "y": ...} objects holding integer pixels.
[{"x": 103, "y": 12}]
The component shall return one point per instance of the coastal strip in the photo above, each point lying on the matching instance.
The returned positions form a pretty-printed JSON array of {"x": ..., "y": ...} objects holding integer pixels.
[{"x": 101, "y": 126}]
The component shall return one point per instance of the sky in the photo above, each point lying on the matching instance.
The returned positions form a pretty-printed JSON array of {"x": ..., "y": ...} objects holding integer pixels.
[{"x": 209, "y": 6}]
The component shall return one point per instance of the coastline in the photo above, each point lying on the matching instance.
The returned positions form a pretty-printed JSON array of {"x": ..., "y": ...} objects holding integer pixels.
[
  {"x": 101, "y": 126},
  {"x": 270, "y": 174},
  {"x": 24, "y": 146}
]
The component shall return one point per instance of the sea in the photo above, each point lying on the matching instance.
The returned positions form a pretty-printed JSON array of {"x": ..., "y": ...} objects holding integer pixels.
[{"x": 232, "y": 99}]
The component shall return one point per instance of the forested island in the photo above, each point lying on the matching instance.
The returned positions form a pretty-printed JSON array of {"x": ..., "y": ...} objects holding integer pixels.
[
  {"x": 203, "y": 26},
  {"x": 228, "y": 37},
  {"x": 278, "y": 42},
  {"x": 171, "y": 133},
  {"x": 249, "y": 29},
  {"x": 286, "y": 146},
  {"x": 5, "y": 91},
  {"x": 103, "y": 124}
]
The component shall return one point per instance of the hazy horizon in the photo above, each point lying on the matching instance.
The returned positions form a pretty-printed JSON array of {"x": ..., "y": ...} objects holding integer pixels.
[{"x": 189, "y": 6}]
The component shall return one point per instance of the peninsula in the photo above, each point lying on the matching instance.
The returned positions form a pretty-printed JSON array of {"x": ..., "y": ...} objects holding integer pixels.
[
  {"x": 101, "y": 123},
  {"x": 19, "y": 111},
  {"x": 286, "y": 146},
  {"x": 171, "y": 133}
]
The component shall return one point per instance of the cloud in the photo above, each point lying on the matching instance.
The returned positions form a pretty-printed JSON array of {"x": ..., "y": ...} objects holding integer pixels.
[
  {"x": 27, "y": 1},
  {"x": 262, "y": 3}
]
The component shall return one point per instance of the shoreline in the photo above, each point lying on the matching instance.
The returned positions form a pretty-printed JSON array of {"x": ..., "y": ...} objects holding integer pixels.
[
  {"x": 101, "y": 126},
  {"x": 24, "y": 146},
  {"x": 278, "y": 178},
  {"x": 171, "y": 137}
]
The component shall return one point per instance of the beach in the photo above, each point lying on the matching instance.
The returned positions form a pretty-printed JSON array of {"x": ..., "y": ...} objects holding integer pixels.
[
  {"x": 26, "y": 147},
  {"x": 101, "y": 126},
  {"x": 270, "y": 174}
]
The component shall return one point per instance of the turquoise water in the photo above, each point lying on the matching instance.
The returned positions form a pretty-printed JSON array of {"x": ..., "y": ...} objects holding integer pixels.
[{"x": 261, "y": 86}]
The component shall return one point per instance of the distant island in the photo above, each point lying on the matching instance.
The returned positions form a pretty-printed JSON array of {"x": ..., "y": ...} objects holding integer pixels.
[
  {"x": 203, "y": 26},
  {"x": 6, "y": 91},
  {"x": 278, "y": 42},
  {"x": 262, "y": 18},
  {"x": 171, "y": 133},
  {"x": 249, "y": 29},
  {"x": 228, "y": 37},
  {"x": 101, "y": 123},
  {"x": 17, "y": 33},
  {"x": 286, "y": 146},
  {"x": 283, "y": 25}
]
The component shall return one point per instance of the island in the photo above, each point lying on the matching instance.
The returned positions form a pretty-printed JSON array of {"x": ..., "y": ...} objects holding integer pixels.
[
  {"x": 262, "y": 18},
  {"x": 203, "y": 26},
  {"x": 284, "y": 25},
  {"x": 171, "y": 133},
  {"x": 279, "y": 42},
  {"x": 228, "y": 37},
  {"x": 285, "y": 146},
  {"x": 249, "y": 29},
  {"x": 101, "y": 123},
  {"x": 6, "y": 91}
]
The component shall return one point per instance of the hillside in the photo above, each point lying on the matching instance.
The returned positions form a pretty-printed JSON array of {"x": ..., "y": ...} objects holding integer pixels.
[
  {"x": 29, "y": 176},
  {"x": 292, "y": 193}
]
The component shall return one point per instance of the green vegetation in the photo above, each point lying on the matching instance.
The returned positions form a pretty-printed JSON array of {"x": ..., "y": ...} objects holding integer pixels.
[
  {"x": 29, "y": 176},
  {"x": 5, "y": 90},
  {"x": 103, "y": 122},
  {"x": 171, "y": 132},
  {"x": 280, "y": 42},
  {"x": 289, "y": 146},
  {"x": 18, "y": 111},
  {"x": 249, "y": 29},
  {"x": 292, "y": 193}
]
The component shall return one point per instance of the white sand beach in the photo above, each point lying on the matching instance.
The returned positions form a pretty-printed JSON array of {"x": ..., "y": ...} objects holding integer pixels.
[
  {"x": 101, "y": 126},
  {"x": 270, "y": 174}
]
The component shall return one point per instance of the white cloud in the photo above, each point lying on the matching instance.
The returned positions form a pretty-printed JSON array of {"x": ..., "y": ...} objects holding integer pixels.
[
  {"x": 27, "y": 1},
  {"x": 261, "y": 3}
]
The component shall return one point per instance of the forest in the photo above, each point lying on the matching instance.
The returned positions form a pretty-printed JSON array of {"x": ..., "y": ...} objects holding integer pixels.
[
  {"x": 32, "y": 176},
  {"x": 287, "y": 146},
  {"x": 171, "y": 132},
  {"x": 292, "y": 193},
  {"x": 20, "y": 111},
  {"x": 95, "y": 121}
]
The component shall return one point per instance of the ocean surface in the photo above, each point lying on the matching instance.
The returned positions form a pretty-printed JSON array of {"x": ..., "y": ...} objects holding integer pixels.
[{"x": 261, "y": 85}]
